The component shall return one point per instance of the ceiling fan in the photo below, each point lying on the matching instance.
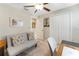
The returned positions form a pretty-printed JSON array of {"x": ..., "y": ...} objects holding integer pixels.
[{"x": 38, "y": 7}]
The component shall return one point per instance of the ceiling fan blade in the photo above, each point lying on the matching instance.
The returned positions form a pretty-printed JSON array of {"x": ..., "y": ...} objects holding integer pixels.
[
  {"x": 46, "y": 9},
  {"x": 25, "y": 8},
  {"x": 45, "y": 3},
  {"x": 29, "y": 6},
  {"x": 35, "y": 11}
]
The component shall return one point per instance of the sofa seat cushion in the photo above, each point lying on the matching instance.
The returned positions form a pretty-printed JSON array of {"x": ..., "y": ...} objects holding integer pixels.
[{"x": 20, "y": 48}]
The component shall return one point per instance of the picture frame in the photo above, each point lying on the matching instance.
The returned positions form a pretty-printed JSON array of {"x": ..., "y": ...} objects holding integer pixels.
[
  {"x": 33, "y": 23},
  {"x": 46, "y": 22},
  {"x": 15, "y": 23}
]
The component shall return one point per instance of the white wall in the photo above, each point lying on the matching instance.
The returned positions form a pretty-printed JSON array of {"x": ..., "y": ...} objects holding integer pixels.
[
  {"x": 7, "y": 11},
  {"x": 75, "y": 23}
]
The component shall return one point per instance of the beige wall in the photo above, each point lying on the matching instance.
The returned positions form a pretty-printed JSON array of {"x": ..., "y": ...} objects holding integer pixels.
[{"x": 7, "y": 11}]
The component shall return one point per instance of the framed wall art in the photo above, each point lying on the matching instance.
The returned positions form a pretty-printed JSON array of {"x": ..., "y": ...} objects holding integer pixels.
[
  {"x": 46, "y": 22},
  {"x": 33, "y": 23},
  {"x": 15, "y": 23}
]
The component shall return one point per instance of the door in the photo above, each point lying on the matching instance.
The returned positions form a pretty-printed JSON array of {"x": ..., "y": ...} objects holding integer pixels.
[
  {"x": 60, "y": 26},
  {"x": 46, "y": 28},
  {"x": 42, "y": 29},
  {"x": 39, "y": 29}
]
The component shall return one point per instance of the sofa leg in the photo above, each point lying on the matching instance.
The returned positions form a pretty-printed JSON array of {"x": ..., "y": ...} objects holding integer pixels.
[{"x": 35, "y": 45}]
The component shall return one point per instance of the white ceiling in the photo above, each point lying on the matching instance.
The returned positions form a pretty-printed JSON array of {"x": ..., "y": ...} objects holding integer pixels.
[{"x": 51, "y": 6}]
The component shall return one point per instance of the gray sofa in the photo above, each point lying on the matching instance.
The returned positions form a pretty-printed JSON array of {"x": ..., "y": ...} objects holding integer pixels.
[{"x": 19, "y": 42}]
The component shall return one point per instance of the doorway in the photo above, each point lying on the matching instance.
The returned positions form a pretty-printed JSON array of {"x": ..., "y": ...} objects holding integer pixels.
[
  {"x": 42, "y": 29},
  {"x": 46, "y": 28}
]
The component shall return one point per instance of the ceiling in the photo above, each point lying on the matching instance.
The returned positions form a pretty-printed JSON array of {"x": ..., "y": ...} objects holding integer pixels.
[{"x": 51, "y": 6}]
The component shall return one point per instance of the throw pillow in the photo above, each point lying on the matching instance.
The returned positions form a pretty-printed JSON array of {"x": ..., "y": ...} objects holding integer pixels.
[
  {"x": 30, "y": 36},
  {"x": 11, "y": 41}
]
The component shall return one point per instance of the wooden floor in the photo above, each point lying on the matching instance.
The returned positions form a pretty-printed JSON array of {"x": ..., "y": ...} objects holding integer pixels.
[{"x": 42, "y": 49}]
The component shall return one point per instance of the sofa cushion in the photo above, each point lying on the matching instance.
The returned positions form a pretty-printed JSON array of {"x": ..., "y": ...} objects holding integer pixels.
[
  {"x": 17, "y": 39},
  {"x": 30, "y": 36}
]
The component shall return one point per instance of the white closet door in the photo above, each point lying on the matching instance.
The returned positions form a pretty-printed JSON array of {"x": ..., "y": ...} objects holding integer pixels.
[{"x": 61, "y": 26}]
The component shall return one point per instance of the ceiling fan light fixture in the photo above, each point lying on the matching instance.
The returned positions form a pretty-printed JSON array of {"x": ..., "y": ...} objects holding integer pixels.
[{"x": 39, "y": 6}]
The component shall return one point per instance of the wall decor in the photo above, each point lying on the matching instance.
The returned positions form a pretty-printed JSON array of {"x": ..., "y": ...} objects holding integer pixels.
[
  {"x": 15, "y": 23},
  {"x": 33, "y": 23},
  {"x": 46, "y": 22}
]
